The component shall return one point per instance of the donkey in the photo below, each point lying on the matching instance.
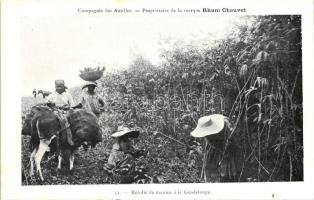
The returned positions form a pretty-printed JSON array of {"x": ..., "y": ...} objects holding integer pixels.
[{"x": 44, "y": 127}]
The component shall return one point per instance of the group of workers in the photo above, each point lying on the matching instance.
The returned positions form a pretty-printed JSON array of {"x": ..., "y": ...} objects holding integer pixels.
[{"x": 219, "y": 161}]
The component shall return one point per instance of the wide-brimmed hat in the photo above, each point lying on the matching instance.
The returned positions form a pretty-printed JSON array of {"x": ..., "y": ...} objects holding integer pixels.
[
  {"x": 209, "y": 125},
  {"x": 87, "y": 83},
  {"x": 60, "y": 83},
  {"x": 125, "y": 131}
]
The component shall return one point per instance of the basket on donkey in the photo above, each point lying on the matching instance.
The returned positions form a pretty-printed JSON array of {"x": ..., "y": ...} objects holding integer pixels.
[{"x": 91, "y": 74}]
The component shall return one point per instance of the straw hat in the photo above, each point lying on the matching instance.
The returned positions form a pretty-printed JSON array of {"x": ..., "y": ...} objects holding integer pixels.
[
  {"x": 209, "y": 125},
  {"x": 125, "y": 130},
  {"x": 89, "y": 83}
]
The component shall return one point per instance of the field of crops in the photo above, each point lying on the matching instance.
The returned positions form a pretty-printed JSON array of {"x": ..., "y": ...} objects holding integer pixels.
[
  {"x": 88, "y": 164},
  {"x": 254, "y": 76}
]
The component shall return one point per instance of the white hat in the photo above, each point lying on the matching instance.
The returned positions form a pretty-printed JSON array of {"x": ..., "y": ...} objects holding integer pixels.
[
  {"x": 125, "y": 130},
  {"x": 209, "y": 125}
]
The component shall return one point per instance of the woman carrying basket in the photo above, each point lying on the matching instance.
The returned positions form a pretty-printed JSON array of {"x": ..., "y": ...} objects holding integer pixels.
[{"x": 90, "y": 100}]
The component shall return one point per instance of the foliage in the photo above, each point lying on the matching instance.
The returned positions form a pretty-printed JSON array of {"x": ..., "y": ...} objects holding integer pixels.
[{"x": 254, "y": 76}]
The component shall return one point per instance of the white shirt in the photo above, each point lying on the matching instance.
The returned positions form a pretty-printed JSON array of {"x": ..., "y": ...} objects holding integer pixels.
[{"x": 62, "y": 99}]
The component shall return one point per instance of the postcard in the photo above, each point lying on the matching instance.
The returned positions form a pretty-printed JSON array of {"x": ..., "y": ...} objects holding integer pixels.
[{"x": 157, "y": 100}]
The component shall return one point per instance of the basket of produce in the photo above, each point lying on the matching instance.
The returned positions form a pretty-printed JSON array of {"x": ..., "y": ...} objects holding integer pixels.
[{"x": 91, "y": 74}]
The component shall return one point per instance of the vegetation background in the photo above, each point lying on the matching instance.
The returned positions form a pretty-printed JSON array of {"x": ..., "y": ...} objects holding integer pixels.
[{"x": 253, "y": 76}]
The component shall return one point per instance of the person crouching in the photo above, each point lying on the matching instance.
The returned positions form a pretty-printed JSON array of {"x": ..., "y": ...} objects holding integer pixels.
[{"x": 121, "y": 161}]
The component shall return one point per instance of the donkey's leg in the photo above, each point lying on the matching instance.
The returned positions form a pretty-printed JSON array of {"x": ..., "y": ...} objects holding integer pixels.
[
  {"x": 43, "y": 146},
  {"x": 32, "y": 157},
  {"x": 71, "y": 160},
  {"x": 59, "y": 161}
]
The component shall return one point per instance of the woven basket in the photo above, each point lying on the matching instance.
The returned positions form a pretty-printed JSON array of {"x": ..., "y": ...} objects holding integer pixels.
[{"x": 91, "y": 75}]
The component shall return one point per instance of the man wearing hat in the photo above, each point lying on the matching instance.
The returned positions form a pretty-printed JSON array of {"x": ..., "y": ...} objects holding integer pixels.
[
  {"x": 90, "y": 100},
  {"x": 60, "y": 101},
  {"x": 122, "y": 156},
  {"x": 220, "y": 153}
]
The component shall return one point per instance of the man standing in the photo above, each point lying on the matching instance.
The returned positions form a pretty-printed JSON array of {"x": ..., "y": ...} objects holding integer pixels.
[
  {"x": 34, "y": 93},
  {"x": 90, "y": 100},
  {"x": 221, "y": 151},
  {"x": 61, "y": 101}
]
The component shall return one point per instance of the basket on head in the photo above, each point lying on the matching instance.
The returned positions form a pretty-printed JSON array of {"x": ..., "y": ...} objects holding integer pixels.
[{"x": 92, "y": 74}]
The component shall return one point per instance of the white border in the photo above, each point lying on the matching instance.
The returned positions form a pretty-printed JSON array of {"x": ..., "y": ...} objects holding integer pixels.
[{"x": 11, "y": 187}]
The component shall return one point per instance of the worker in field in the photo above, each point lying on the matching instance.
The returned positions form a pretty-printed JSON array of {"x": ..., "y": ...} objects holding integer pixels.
[
  {"x": 90, "y": 100},
  {"x": 61, "y": 101},
  {"x": 220, "y": 153},
  {"x": 34, "y": 93},
  {"x": 121, "y": 161}
]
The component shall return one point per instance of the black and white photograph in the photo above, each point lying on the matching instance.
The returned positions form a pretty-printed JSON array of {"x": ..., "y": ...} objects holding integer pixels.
[
  {"x": 166, "y": 102},
  {"x": 156, "y": 96}
]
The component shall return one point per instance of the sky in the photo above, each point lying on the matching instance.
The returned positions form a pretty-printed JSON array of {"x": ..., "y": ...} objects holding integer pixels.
[{"x": 59, "y": 47}]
